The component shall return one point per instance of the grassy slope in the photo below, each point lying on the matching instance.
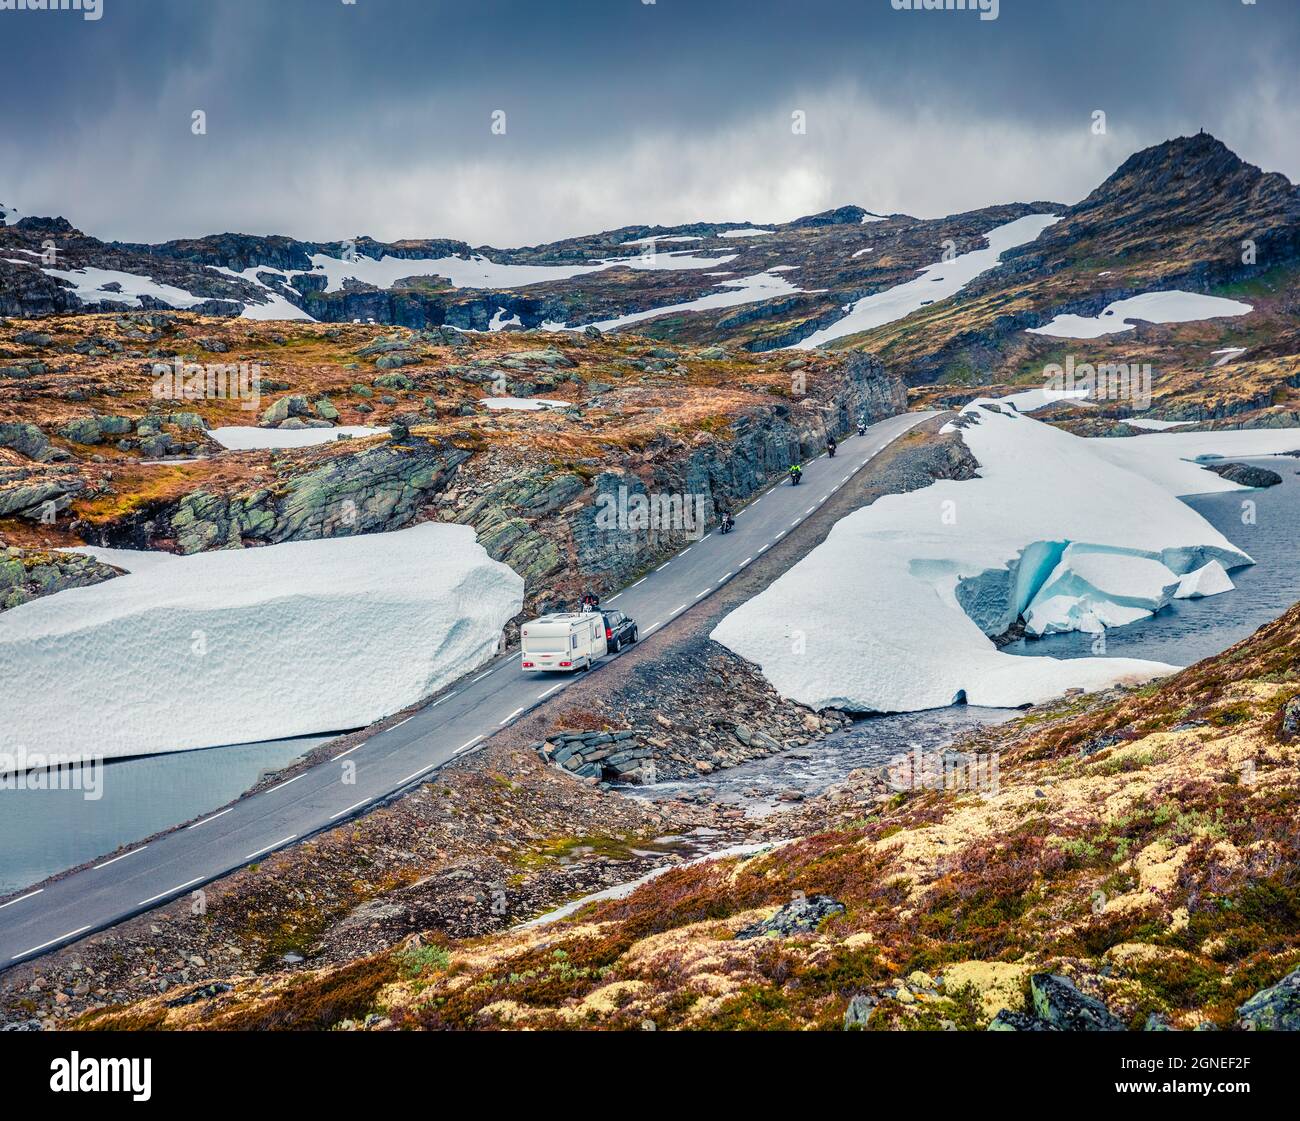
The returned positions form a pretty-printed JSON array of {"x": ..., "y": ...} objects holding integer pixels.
[{"x": 1143, "y": 842}]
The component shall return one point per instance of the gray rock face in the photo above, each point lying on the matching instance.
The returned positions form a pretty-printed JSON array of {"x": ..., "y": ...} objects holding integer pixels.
[
  {"x": 26, "y": 439},
  {"x": 1276, "y": 1008},
  {"x": 379, "y": 489},
  {"x": 797, "y": 917}
]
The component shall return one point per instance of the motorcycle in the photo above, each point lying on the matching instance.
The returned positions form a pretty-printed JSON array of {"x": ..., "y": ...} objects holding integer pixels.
[
  {"x": 830, "y": 450},
  {"x": 862, "y": 429},
  {"x": 796, "y": 476},
  {"x": 728, "y": 524}
]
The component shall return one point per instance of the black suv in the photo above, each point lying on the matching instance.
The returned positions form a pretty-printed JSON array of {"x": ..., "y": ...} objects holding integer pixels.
[{"x": 620, "y": 630}]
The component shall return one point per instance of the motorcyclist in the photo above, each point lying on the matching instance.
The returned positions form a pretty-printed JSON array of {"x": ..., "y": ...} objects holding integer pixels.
[
  {"x": 728, "y": 521},
  {"x": 796, "y": 473},
  {"x": 831, "y": 445},
  {"x": 862, "y": 428}
]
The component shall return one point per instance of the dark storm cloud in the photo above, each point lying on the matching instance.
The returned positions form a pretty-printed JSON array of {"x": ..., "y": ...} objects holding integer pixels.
[{"x": 327, "y": 118}]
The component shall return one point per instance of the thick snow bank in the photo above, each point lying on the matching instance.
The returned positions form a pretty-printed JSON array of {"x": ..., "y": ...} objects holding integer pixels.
[
  {"x": 937, "y": 282},
  {"x": 253, "y": 644},
  {"x": 246, "y": 437},
  {"x": 1168, "y": 458},
  {"x": 893, "y": 611},
  {"x": 1153, "y": 307}
]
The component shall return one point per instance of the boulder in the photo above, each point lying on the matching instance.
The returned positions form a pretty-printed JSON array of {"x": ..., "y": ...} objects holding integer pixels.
[
  {"x": 1276, "y": 1008},
  {"x": 797, "y": 917}
]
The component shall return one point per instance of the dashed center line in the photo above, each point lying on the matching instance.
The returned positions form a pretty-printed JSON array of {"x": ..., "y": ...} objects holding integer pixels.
[
  {"x": 122, "y": 857},
  {"x": 169, "y": 891},
  {"x": 51, "y": 942},
  {"x": 286, "y": 783},
  {"x": 21, "y": 898},
  {"x": 272, "y": 845},
  {"x": 354, "y": 806}
]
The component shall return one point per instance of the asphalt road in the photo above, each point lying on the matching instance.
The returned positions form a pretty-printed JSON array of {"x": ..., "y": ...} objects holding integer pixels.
[{"x": 43, "y": 919}]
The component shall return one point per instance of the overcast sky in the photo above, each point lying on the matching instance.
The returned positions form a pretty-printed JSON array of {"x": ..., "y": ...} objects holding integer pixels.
[{"x": 328, "y": 119}]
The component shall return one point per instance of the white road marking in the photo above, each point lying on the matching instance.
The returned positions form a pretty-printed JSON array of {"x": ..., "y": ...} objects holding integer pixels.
[
  {"x": 122, "y": 857},
  {"x": 687, "y": 549},
  {"x": 613, "y": 597},
  {"x": 479, "y": 678},
  {"x": 229, "y": 808},
  {"x": 467, "y": 746},
  {"x": 415, "y": 774},
  {"x": 51, "y": 942},
  {"x": 272, "y": 845},
  {"x": 795, "y": 522},
  {"x": 285, "y": 783},
  {"x": 550, "y": 690},
  {"x": 702, "y": 594},
  {"x": 725, "y": 577},
  {"x": 765, "y": 548},
  {"x": 509, "y": 718},
  {"x": 356, "y": 806},
  {"x": 745, "y": 561},
  {"x": 21, "y": 898},
  {"x": 812, "y": 508},
  {"x": 663, "y": 566},
  {"x": 434, "y": 705},
  {"x": 781, "y": 534},
  {"x": 641, "y": 581},
  {"x": 162, "y": 894}
]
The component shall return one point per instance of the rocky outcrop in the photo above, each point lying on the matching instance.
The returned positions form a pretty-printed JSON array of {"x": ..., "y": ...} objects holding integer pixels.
[
  {"x": 37, "y": 493},
  {"x": 1058, "y": 1006},
  {"x": 377, "y": 489},
  {"x": 800, "y": 916},
  {"x": 26, "y": 574},
  {"x": 1276, "y": 1008},
  {"x": 1245, "y": 474}
]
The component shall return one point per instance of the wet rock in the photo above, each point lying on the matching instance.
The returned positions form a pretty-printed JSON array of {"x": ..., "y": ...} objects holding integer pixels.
[{"x": 1245, "y": 474}]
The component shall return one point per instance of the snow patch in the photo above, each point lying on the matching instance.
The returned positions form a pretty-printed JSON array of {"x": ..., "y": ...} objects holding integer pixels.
[
  {"x": 936, "y": 282},
  {"x": 246, "y": 438},
  {"x": 252, "y": 644},
  {"x": 748, "y": 231},
  {"x": 88, "y": 285},
  {"x": 743, "y": 290},
  {"x": 529, "y": 404},
  {"x": 478, "y": 272},
  {"x": 1153, "y": 307}
]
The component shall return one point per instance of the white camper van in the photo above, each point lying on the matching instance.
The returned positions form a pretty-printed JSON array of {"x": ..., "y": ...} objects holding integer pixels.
[{"x": 563, "y": 642}]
